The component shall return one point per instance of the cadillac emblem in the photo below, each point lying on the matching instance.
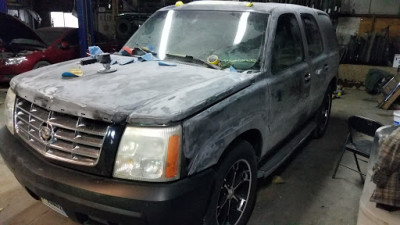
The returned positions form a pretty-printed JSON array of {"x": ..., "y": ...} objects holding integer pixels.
[{"x": 46, "y": 132}]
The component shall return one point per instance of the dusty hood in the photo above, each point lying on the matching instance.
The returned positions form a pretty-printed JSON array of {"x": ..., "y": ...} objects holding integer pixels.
[
  {"x": 12, "y": 28},
  {"x": 141, "y": 92}
]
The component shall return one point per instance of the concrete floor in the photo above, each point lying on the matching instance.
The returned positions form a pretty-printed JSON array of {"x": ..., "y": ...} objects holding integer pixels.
[{"x": 309, "y": 195}]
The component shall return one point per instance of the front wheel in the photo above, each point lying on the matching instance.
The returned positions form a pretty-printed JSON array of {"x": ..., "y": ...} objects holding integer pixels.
[
  {"x": 322, "y": 115},
  {"x": 234, "y": 191}
]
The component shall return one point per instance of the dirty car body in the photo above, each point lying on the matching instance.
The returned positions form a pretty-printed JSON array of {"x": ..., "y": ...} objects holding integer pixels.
[{"x": 152, "y": 144}]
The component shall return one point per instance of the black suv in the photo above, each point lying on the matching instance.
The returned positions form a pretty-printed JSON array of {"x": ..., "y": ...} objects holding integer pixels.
[{"x": 205, "y": 98}]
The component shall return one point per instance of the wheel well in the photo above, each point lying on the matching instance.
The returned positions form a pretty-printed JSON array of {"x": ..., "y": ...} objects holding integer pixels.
[
  {"x": 333, "y": 84},
  {"x": 42, "y": 60},
  {"x": 252, "y": 136}
]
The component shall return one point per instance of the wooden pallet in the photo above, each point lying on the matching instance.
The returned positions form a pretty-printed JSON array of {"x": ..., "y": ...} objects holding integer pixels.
[{"x": 390, "y": 92}]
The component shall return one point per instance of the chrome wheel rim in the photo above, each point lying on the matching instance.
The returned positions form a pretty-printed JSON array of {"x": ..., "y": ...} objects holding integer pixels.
[
  {"x": 325, "y": 112},
  {"x": 234, "y": 193}
]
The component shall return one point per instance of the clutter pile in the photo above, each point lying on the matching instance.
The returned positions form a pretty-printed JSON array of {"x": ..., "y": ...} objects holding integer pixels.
[
  {"x": 372, "y": 48},
  {"x": 387, "y": 174}
]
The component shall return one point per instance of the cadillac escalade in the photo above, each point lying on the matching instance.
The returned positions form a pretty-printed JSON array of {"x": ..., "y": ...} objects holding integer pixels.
[{"x": 205, "y": 99}]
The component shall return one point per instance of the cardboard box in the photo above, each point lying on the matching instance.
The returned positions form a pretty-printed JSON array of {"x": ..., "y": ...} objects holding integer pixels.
[{"x": 396, "y": 60}]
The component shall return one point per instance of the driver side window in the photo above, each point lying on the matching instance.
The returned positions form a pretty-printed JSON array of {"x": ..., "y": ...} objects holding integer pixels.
[{"x": 288, "y": 46}]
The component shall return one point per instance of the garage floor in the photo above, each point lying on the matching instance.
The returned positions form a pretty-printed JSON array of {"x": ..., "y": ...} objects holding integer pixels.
[{"x": 308, "y": 195}]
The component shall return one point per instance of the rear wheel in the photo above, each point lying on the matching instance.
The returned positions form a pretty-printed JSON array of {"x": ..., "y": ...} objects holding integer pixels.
[
  {"x": 234, "y": 191},
  {"x": 322, "y": 115}
]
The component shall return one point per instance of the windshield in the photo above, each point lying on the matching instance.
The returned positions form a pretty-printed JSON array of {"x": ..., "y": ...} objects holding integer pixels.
[
  {"x": 236, "y": 38},
  {"x": 49, "y": 35},
  {"x": 27, "y": 42}
]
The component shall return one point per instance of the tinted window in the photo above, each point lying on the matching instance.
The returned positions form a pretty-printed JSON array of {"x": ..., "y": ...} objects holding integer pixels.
[
  {"x": 313, "y": 35},
  {"x": 288, "y": 46},
  {"x": 49, "y": 35},
  {"x": 328, "y": 31}
]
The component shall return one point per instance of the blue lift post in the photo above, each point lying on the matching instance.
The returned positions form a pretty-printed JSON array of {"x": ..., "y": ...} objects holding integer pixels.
[
  {"x": 3, "y": 6},
  {"x": 85, "y": 21}
]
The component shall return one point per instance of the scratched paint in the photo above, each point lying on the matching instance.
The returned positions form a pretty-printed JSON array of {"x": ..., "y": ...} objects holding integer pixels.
[
  {"x": 213, "y": 106},
  {"x": 138, "y": 93}
]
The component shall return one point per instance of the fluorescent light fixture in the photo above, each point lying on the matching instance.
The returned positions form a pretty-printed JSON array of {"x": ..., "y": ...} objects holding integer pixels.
[
  {"x": 165, "y": 35},
  {"x": 241, "y": 28}
]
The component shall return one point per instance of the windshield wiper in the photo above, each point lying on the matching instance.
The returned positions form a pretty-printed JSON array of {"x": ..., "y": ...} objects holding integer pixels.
[
  {"x": 193, "y": 59},
  {"x": 143, "y": 50}
]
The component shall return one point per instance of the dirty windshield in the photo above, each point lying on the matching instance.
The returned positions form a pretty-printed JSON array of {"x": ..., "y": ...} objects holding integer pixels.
[
  {"x": 220, "y": 37},
  {"x": 49, "y": 35}
]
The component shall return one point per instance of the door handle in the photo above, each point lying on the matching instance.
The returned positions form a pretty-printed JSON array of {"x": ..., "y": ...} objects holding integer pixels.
[
  {"x": 307, "y": 77},
  {"x": 326, "y": 67}
]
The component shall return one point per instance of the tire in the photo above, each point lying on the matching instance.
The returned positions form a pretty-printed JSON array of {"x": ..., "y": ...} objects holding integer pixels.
[
  {"x": 41, "y": 64},
  {"x": 322, "y": 115},
  {"x": 233, "y": 199},
  {"x": 125, "y": 28}
]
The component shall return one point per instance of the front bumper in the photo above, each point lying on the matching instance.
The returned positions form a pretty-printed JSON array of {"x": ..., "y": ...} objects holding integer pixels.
[{"x": 88, "y": 197}]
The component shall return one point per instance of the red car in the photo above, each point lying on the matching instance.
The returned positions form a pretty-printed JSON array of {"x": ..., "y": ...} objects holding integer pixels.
[{"x": 22, "y": 49}]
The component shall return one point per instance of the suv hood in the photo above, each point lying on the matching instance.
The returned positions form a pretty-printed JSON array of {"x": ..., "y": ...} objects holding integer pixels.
[
  {"x": 12, "y": 28},
  {"x": 139, "y": 93}
]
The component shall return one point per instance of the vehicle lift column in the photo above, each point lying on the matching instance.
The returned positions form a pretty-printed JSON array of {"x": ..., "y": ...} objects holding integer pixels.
[
  {"x": 3, "y": 6},
  {"x": 85, "y": 21}
]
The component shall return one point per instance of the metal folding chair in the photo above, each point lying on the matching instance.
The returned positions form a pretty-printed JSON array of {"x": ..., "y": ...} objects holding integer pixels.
[{"x": 358, "y": 141}]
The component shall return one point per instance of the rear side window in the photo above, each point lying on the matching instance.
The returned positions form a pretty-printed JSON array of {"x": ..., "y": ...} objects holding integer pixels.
[
  {"x": 328, "y": 31},
  {"x": 313, "y": 35},
  {"x": 288, "y": 46}
]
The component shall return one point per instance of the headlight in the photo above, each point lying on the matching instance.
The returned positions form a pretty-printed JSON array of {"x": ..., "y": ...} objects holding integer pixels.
[
  {"x": 15, "y": 61},
  {"x": 9, "y": 110},
  {"x": 149, "y": 154}
]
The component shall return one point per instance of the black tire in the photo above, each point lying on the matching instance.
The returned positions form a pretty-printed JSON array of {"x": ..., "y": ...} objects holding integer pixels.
[
  {"x": 125, "y": 28},
  {"x": 322, "y": 115},
  {"x": 41, "y": 64},
  {"x": 233, "y": 199}
]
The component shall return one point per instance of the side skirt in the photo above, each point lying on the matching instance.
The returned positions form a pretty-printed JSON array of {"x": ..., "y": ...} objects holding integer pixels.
[{"x": 285, "y": 151}]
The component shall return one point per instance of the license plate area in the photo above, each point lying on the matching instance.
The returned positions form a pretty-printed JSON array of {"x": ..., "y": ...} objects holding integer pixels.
[{"x": 54, "y": 206}]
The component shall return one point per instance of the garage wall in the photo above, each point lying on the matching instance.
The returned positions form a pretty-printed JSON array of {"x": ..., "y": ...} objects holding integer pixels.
[
  {"x": 44, "y": 7},
  {"x": 383, "y": 7},
  {"x": 348, "y": 26},
  {"x": 378, "y": 24}
]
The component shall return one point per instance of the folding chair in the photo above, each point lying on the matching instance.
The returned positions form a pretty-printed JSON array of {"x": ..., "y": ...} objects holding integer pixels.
[{"x": 358, "y": 141}]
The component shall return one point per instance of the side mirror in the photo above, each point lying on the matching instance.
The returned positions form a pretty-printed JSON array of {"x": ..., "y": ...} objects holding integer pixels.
[{"x": 64, "y": 45}]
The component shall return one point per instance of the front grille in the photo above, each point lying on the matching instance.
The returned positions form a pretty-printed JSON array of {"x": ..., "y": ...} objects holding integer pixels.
[{"x": 59, "y": 136}]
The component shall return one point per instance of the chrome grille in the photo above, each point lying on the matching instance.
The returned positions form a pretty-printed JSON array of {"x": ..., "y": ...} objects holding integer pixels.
[{"x": 71, "y": 139}]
